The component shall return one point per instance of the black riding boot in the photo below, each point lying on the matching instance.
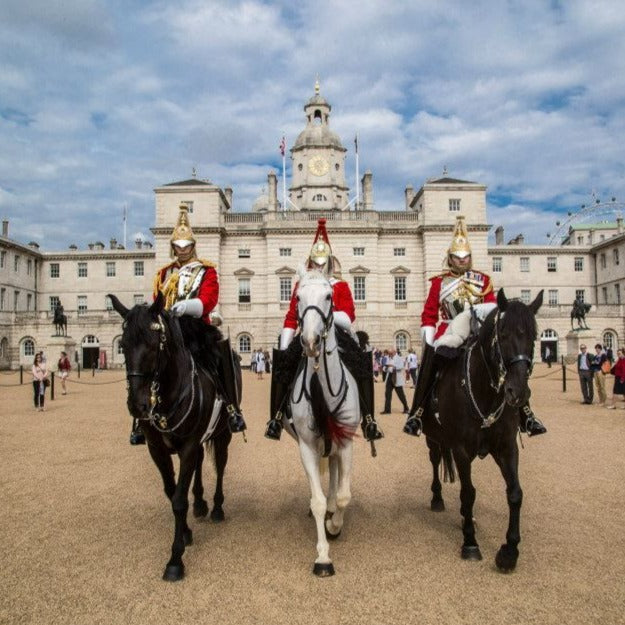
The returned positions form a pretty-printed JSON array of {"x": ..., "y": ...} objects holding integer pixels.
[
  {"x": 413, "y": 425},
  {"x": 282, "y": 375},
  {"x": 236, "y": 423},
  {"x": 370, "y": 429},
  {"x": 529, "y": 423},
  {"x": 137, "y": 437}
]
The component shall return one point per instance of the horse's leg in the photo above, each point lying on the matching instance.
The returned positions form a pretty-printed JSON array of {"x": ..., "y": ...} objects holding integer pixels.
[
  {"x": 437, "y": 504},
  {"x": 174, "y": 570},
  {"x": 220, "y": 449},
  {"x": 508, "y": 463},
  {"x": 334, "y": 525},
  {"x": 310, "y": 459},
  {"x": 162, "y": 459},
  {"x": 333, "y": 485},
  {"x": 470, "y": 548},
  {"x": 200, "y": 507}
]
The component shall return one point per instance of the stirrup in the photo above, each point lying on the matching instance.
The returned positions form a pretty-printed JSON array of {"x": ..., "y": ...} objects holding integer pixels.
[
  {"x": 137, "y": 437},
  {"x": 370, "y": 429},
  {"x": 274, "y": 427},
  {"x": 414, "y": 425},
  {"x": 530, "y": 424},
  {"x": 236, "y": 423}
]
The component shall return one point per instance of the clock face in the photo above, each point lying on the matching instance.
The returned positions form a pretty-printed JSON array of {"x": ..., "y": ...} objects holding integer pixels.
[{"x": 318, "y": 166}]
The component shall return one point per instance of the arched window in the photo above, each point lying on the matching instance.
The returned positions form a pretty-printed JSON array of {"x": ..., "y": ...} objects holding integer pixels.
[
  {"x": 549, "y": 334},
  {"x": 117, "y": 346},
  {"x": 609, "y": 339},
  {"x": 245, "y": 343},
  {"x": 402, "y": 342},
  {"x": 28, "y": 347},
  {"x": 4, "y": 348},
  {"x": 90, "y": 340}
]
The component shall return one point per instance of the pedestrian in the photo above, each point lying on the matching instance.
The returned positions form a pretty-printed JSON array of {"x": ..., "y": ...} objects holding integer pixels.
[
  {"x": 618, "y": 371},
  {"x": 548, "y": 356},
  {"x": 395, "y": 380},
  {"x": 412, "y": 364},
  {"x": 40, "y": 381},
  {"x": 253, "y": 363},
  {"x": 260, "y": 364},
  {"x": 376, "y": 366},
  {"x": 267, "y": 361},
  {"x": 64, "y": 366},
  {"x": 584, "y": 362},
  {"x": 598, "y": 372},
  {"x": 384, "y": 363}
]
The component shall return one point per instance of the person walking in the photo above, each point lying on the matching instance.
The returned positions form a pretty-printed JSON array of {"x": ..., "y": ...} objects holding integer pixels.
[
  {"x": 395, "y": 380},
  {"x": 260, "y": 364},
  {"x": 548, "y": 356},
  {"x": 64, "y": 366},
  {"x": 618, "y": 371},
  {"x": 40, "y": 381},
  {"x": 598, "y": 373},
  {"x": 412, "y": 365},
  {"x": 584, "y": 362}
]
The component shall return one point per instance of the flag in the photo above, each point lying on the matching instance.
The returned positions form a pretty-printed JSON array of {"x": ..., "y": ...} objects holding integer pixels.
[
  {"x": 283, "y": 146},
  {"x": 356, "y": 143}
]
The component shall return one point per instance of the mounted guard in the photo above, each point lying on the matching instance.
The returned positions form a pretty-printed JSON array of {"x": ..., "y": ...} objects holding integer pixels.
[
  {"x": 190, "y": 288},
  {"x": 457, "y": 297},
  {"x": 359, "y": 361}
]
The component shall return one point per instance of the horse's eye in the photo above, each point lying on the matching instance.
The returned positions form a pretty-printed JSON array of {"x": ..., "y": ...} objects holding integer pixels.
[
  {"x": 328, "y": 297},
  {"x": 297, "y": 298}
]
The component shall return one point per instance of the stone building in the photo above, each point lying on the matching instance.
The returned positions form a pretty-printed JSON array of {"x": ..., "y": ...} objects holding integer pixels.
[{"x": 386, "y": 256}]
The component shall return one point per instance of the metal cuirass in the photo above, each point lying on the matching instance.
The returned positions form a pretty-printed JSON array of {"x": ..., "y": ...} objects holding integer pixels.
[{"x": 459, "y": 292}]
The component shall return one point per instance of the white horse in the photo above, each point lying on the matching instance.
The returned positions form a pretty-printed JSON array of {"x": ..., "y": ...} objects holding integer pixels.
[{"x": 326, "y": 413}]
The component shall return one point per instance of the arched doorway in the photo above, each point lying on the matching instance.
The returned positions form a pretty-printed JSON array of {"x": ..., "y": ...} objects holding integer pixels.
[
  {"x": 4, "y": 353},
  {"x": 402, "y": 342},
  {"x": 90, "y": 351},
  {"x": 549, "y": 346}
]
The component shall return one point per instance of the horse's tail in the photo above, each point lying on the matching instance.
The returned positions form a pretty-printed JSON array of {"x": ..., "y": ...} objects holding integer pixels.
[
  {"x": 449, "y": 466},
  {"x": 325, "y": 424}
]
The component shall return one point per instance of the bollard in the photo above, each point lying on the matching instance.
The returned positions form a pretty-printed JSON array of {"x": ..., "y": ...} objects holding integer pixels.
[
  {"x": 93, "y": 370},
  {"x": 52, "y": 386},
  {"x": 563, "y": 375},
  {"x": 78, "y": 368},
  {"x": 21, "y": 374}
]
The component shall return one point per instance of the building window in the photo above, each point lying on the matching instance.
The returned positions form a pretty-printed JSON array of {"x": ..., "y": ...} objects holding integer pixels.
[
  {"x": 400, "y": 288},
  {"x": 552, "y": 264},
  {"x": 81, "y": 304},
  {"x": 285, "y": 251},
  {"x": 497, "y": 264},
  {"x": 319, "y": 197},
  {"x": 29, "y": 266},
  {"x": 617, "y": 293},
  {"x": 16, "y": 263},
  {"x": 245, "y": 344},
  {"x": 110, "y": 269},
  {"x": 578, "y": 263},
  {"x": 615, "y": 256},
  {"x": 580, "y": 294},
  {"x": 609, "y": 340},
  {"x": 524, "y": 263},
  {"x": 55, "y": 270},
  {"x": 285, "y": 289},
  {"x": 399, "y": 251},
  {"x": 580, "y": 240},
  {"x": 16, "y": 300},
  {"x": 138, "y": 299},
  {"x": 3, "y": 294},
  {"x": 189, "y": 205},
  {"x": 526, "y": 296},
  {"x": 82, "y": 270},
  {"x": 602, "y": 261},
  {"x": 359, "y": 251},
  {"x": 244, "y": 291},
  {"x": 244, "y": 253},
  {"x": 454, "y": 205},
  {"x": 54, "y": 300},
  {"x": 29, "y": 301},
  {"x": 604, "y": 293},
  {"x": 401, "y": 343},
  {"x": 119, "y": 348},
  {"x": 108, "y": 304},
  {"x": 553, "y": 297},
  {"x": 360, "y": 293},
  {"x": 139, "y": 268},
  {"x": 28, "y": 347},
  {"x": 3, "y": 259}
]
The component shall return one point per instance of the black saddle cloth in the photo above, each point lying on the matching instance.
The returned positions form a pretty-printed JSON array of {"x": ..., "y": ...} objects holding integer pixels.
[{"x": 202, "y": 341}]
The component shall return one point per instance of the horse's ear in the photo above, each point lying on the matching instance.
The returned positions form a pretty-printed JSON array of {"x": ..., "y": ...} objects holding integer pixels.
[
  {"x": 157, "y": 306},
  {"x": 117, "y": 305},
  {"x": 538, "y": 302},
  {"x": 502, "y": 300}
]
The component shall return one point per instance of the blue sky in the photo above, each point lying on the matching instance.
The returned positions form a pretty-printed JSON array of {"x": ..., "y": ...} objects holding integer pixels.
[{"x": 103, "y": 100}]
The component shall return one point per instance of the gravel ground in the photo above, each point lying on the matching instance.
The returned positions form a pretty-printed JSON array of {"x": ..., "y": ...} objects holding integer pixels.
[{"x": 86, "y": 528}]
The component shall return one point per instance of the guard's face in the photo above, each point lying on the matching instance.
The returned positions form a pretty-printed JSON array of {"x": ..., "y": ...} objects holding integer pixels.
[
  {"x": 458, "y": 264},
  {"x": 184, "y": 254}
]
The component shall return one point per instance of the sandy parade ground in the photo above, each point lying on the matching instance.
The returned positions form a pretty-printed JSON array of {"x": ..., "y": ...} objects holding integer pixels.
[{"x": 86, "y": 528}]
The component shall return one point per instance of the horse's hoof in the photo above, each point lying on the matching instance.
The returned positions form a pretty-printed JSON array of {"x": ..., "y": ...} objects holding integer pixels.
[
  {"x": 173, "y": 572},
  {"x": 506, "y": 559},
  {"x": 471, "y": 552},
  {"x": 437, "y": 505},
  {"x": 217, "y": 515},
  {"x": 329, "y": 534},
  {"x": 187, "y": 535},
  {"x": 200, "y": 509},
  {"x": 323, "y": 570}
]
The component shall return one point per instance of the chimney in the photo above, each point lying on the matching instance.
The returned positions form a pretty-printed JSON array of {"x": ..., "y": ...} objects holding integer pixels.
[
  {"x": 228, "y": 194},
  {"x": 5, "y": 228},
  {"x": 113, "y": 244},
  {"x": 367, "y": 191},
  {"x": 520, "y": 239},
  {"x": 499, "y": 235},
  {"x": 272, "y": 185},
  {"x": 90, "y": 246},
  {"x": 619, "y": 225},
  {"x": 409, "y": 193},
  {"x": 138, "y": 243}
]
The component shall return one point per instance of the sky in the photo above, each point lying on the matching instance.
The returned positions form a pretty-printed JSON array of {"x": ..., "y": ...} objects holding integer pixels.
[{"x": 101, "y": 101}]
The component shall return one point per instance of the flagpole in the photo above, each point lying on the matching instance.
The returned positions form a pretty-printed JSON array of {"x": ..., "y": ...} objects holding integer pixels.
[
  {"x": 357, "y": 174},
  {"x": 125, "y": 209},
  {"x": 283, "y": 152}
]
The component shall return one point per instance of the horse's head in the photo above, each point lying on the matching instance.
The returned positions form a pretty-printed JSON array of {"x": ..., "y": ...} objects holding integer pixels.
[
  {"x": 145, "y": 343},
  {"x": 508, "y": 336},
  {"x": 314, "y": 311}
]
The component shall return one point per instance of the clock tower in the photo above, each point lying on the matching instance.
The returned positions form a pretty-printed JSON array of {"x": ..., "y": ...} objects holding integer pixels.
[{"x": 318, "y": 178}]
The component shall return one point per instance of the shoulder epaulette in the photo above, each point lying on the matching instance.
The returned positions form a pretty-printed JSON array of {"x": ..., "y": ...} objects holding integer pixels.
[{"x": 207, "y": 263}]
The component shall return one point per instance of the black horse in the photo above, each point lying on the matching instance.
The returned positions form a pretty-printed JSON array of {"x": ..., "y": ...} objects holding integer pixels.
[
  {"x": 579, "y": 312},
  {"x": 474, "y": 409},
  {"x": 171, "y": 393},
  {"x": 60, "y": 322}
]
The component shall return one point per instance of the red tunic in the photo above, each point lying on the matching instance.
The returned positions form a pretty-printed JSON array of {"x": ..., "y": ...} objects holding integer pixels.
[
  {"x": 433, "y": 309},
  {"x": 341, "y": 299},
  {"x": 207, "y": 291}
]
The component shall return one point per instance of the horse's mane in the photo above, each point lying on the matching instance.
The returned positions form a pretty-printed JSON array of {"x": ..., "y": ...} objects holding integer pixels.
[{"x": 516, "y": 315}]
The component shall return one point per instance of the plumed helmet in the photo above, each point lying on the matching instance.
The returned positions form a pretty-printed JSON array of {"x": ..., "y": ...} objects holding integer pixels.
[
  {"x": 321, "y": 251},
  {"x": 460, "y": 242},
  {"x": 182, "y": 234}
]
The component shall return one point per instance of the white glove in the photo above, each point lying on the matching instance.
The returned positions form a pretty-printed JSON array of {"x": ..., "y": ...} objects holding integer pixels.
[
  {"x": 216, "y": 319},
  {"x": 191, "y": 307},
  {"x": 427, "y": 334},
  {"x": 286, "y": 336}
]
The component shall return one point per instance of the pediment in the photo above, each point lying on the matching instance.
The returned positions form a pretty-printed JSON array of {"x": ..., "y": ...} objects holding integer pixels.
[
  {"x": 400, "y": 269},
  {"x": 359, "y": 269},
  {"x": 285, "y": 271},
  {"x": 244, "y": 271}
]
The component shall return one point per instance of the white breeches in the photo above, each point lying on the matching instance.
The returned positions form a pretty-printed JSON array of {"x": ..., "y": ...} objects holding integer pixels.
[{"x": 459, "y": 327}]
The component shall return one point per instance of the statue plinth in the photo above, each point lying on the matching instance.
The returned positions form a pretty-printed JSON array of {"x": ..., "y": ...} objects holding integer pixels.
[{"x": 574, "y": 339}]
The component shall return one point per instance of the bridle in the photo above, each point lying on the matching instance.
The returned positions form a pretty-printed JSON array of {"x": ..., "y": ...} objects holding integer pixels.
[{"x": 157, "y": 419}]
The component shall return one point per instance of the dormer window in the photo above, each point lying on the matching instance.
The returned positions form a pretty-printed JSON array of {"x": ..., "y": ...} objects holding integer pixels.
[{"x": 320, "y": 198}]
